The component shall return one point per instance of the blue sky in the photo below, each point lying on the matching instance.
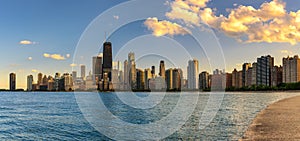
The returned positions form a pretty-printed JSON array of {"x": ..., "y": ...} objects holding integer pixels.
[{"x": 55, "y": 27}]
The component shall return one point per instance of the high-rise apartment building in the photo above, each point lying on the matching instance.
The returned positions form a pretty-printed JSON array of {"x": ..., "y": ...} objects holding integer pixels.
[
  {"x": 97, "y": 68},
  {"x": 193, "y": 69},
  {"x": 12, "y": 81},
  {"x": 29, "y": 82},
  {"x": 264, "y": 70},
  {"x": 148, "y": 76},
  {"x": 140, "y": 79},
  {"x": 162, "y": 69},
  {"x": 276, "y": 76},
  {"x": 203, "y": 80},
  {"x": 82, "y": 71},
  {"x": 291, "y": 69},
  {"x": 246, "y": 66}
]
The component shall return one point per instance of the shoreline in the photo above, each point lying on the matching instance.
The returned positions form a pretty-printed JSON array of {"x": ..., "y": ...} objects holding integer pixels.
[{"x": 278, "y": 121}]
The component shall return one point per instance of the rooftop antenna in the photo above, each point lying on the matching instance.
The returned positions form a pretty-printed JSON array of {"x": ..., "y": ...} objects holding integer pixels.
[{"x": 105, "y": 36}]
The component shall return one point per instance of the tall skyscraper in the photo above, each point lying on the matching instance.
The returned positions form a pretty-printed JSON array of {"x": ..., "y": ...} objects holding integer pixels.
[
  {"x": 148, "y": 76},
  {"x": 169, "y": 79},
  {"x": 12, "y": 81},
  {"x": 264, "y": 70},
  {"x": 218, "y": 81},
  {"x": 45, "y": 80},
  {"x": 276, "y": 75},
  {"x": 253, "y": 76},
  {"x": 74, "y": 75},
  {"x": 177, "y": 77},
  {"x": 153, "y": 71},
  {"x": 193, "y": 69},
  {"x": 162, "y": 69},
  {"x": 29, "y": 82},
  {"x": 107, "y": 59},
  {"x": 203, "y": 80},
  {"x": 291, "y": 69},
  {"x": 246, "y": 66},
  {"x": 97, "y": 68},
  {"x": 40, "y": 79},
  {"x": 140, "y": 79},
  {"x": 131, "y": 70},
  {"x": 82, "y": 70},
  {"x": 126, "y": 75}
]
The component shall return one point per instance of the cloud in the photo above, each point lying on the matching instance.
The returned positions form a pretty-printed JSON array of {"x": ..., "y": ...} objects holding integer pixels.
[
  {"x": 116, "y": 17},
  {"x": 73, "y": 65},
  {"x": 27, "y": 42},
  {"x": 54, "y": 56},
  {"x": 286, "y": 52},
  {"x": 68, "y": 55},
  {"x": 161, "y": 28},
  {"x": 271, "y": 22},
  {"x": 34, "y": 70},
  {"x": 29, "y": 58}
]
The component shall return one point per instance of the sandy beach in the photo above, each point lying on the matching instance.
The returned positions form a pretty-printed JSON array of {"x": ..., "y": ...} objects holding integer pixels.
[{"x": 279, "y": 121}]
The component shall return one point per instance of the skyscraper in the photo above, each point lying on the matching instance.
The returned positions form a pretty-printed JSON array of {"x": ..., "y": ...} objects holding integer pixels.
[
  {"x": 107, "y": 59},
  {"x": 131, "y": 70},
  {"x": 193, "y": 68},
  {"x": 162, "y": 69},
  {"x": 74, "y": 75},
  {"x": 97, "y": 67},
  {"x": 291, "y": 69},
  {"x": 153, "y": 71},
  {"x": 148, "y": 76},
  {"x": 169, "y": 79},
  {"x": 12, "y": 81},
  {"x": 126, "y": 75},
  {"x": 40, "y": 79},
  {"x": 276, "y": 75},
  {"x": 264, "y": 70},
  {"x": 246, "y": 66},
  {"x": 82, "y": 70},
  {"x": 140, "y": 79},
  {"x": 203, "y": 80},
  {"x": 29, "y": 82},
  {"x": 177, "y": 76}
]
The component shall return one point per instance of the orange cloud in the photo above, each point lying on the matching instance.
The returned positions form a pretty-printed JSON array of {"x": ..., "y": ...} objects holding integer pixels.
[
  {"x": 54, "y": 56},
  {"x": 269, "y": 23},
  {"x": 26, "y": 42},
  {"x": 161, "y": 28}
]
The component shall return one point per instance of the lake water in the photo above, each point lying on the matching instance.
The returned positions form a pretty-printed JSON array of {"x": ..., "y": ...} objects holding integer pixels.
[{"x": 57, "y": 116}]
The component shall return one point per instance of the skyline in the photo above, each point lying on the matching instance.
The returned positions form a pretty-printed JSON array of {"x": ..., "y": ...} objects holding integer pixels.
[{"x": 37, "y": 43}]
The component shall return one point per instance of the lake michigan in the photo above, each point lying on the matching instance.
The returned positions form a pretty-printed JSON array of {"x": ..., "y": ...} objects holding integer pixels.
[{"x": 57, "y": 115}]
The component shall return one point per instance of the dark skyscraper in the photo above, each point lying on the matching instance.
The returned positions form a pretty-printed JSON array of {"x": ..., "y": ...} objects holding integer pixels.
[
  {"x": 153, "y": 71},
  {"x": 107, "y": 59},
  {"x": 97, "y": 67},
  {"x": 12, "y": 81},
  {"x": 264, "y": 70},
  {"x": 162, "y": 69}
]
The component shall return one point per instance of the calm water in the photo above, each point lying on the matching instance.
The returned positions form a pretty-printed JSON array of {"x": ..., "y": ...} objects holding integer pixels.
[{"x": 56, "y": 116}]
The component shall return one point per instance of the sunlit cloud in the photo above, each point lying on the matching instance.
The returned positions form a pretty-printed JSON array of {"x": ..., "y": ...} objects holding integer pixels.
[
  {"x": 27, "y": 42},
  {"x": 161, "y": 28},
  {"x": 54, "y": 56},
  {"x": 286, "y": 52},
  {"x": 116, "y": 17},
  {"x": 271, "y": 22},
  {"x": 73, "y": 65},
  {"x": 34, "y": 70},
  {"x": 68, "y": 55}
]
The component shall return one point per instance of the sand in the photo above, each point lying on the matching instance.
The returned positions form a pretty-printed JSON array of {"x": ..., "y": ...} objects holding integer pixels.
[{"x": 279, "y": 121}]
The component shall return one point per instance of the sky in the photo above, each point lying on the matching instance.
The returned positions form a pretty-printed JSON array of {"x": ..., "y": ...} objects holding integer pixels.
[{"x": 57, "y": 36}]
